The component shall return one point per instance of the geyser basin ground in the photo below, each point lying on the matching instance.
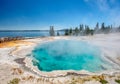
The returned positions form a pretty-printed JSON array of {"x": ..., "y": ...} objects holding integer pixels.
[{"x": 69, "y": 55}]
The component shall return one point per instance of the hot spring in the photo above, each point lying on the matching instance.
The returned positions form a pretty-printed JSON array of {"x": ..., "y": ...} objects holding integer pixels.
[{"x": 68, "y": 55}]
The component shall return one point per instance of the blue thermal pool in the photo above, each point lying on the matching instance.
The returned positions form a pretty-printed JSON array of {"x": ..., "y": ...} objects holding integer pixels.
[{"x": 68, "y": 55}]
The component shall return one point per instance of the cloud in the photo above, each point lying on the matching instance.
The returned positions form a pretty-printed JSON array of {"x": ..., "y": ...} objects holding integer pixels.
[
  {"x": 109, "y": 7},
  {"x": 112, "y": 1},
  {"x": 102, "y": 4},
  {"x": 114, "y": 16},
  {"x": 86, "y": 0}
]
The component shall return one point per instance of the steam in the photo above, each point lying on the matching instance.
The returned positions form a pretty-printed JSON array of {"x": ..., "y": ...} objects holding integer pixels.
[
  {"x": 68, "y": 54},
  {"x": 60, "y": 47}
]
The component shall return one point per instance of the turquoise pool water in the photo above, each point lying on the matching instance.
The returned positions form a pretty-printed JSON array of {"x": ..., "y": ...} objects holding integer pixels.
[{"x": 68, "y": 55}]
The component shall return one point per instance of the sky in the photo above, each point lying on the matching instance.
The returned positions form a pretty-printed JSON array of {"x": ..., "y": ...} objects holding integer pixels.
[{"x": 41, "y": 14}]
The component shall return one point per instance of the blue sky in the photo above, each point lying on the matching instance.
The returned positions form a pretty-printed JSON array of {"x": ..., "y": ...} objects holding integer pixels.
[{"x": 40, "y": 14}]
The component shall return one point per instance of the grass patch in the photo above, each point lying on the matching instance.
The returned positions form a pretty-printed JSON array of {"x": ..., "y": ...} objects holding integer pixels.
[
  {"x": 14, "y": 81},
  {"x": 102, "y": 81},
  {"x": 117, "y": 80}
]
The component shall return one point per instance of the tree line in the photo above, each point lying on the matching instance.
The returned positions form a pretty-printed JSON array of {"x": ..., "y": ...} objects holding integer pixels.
[{"x": 83, "y": 30}]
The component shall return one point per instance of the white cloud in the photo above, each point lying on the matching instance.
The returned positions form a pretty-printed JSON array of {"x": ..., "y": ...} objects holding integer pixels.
[
  {"x": 114, "y": 16},
  {"x": 112, "y": 13},
  {"x": 112, "y": 1},
  {"x": 102, "y": 4},
  {"x": 86, "y": 0}
]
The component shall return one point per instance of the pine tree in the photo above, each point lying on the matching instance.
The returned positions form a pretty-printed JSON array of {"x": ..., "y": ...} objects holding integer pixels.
[
  {"x": 119, "y": 28},
  {"x": 51, "y": 31},
  {"x": 91, "y": 31},
  {"x": 107, "y": 29},
  {"x": 81, "y": 28},
  {"x": 58, "y": 33},
  {"x": 87, "y": 30},
  {"x": 103, "y": 26},
  {"x": 76, "y": 31},
  {"x": 66, "y": 32},
  {"x": 96, "y": 28},
  {"x": 70, "y": 31}
]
